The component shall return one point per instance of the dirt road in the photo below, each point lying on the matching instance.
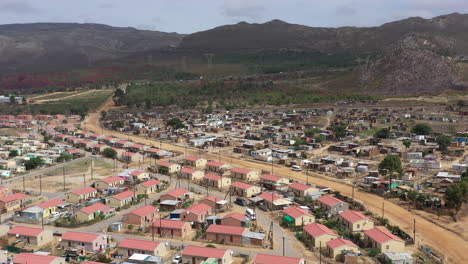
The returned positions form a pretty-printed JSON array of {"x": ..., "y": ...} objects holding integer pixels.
[{"x": 450, "y": 244}]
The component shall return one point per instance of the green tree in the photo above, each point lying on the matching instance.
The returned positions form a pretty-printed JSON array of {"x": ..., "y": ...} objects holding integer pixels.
[
  {"x": 390, "y": 165},
  {"x": 407, "y": 144},
  {"x": 103, "y": 114},
  {"x": 422, "y": 129},
  {"x": 175, "y": 123},
  {"x": 311, "y": 132},
  {"x": 13, "y": 153},
  {"x": 64, "y": 157},
  {"x": 412, "y": 195},
  {"x": 339, "y": 131},
  {"x": 320, "y": 138},
  {"x": 444, "y": 142},
  {"x": 299, "y": 141},
  {"x": 33, "y": 163},
  {"x": 275, "y": 123},
  {"x": 24, "y": 101},
  {"x": 382, "y": 133},
  {"x": 456, "y": 195},
  {"x": 110, "y": 153},
  {"x": 12, "y": 99}
]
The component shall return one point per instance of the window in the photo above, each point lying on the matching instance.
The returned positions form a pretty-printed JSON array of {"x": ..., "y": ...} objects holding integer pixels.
[
  {"x": 387, "y": 247},
  {"x": 357, "y": 226}
]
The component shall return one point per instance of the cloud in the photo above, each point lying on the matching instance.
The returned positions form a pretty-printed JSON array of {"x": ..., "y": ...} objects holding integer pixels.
[
  {"x": 242, "y": 9},
  {"x": 17, "y": 7}
]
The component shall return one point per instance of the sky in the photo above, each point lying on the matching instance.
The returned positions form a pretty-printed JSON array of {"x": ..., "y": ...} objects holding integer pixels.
[{"x": 188, "y": 16}]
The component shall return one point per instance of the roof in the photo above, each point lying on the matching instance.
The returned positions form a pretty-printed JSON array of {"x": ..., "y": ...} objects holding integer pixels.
[
  {"x": 296, "y": 212},
  {"x": 80, "y": 236},
  {"x": 25, "y": 231},
  {"x": 212, "y": 177},
  {"x": 150, "y": 183},
  {"x": 269, "y": 196},
  {"x": 316, "y": 230},
  {"x": 188, "y": 170},
  {"x": 192, "y": 158},
  {"x": 212, "y": 198},
  {"x": 229, "y": 230},
  {"x": 241, "y": 170},
  {"x": 51, "y": 203},
  {"x": 24, "y": 258},
  {"x": 124, "y": 195},
  {"x": 329, "y": 200},
  {"x": 199, "y": 208},
  {"x": 270, "y": 259},
  {"x": 300, "y": 186},
  {"x": 205, "y": 252},
  {"x": 112, "y": 179},
  {"x": 215, "y": 164},
  {"x": 154, "y": 150},
  {"x": 242, "y": 185},
  {"x": 381, "y": 235},
  {"x": 84, "y": 190},
  {"x": 13, "y": 197},
  {"x": 93, "y": 208},
  {"x": 136, "y": 172},
  {"x": 353, "y": 216},
  {"x": 138, "y": 244},
  {"x": 338, "y": 242},
  {"x": 166, "y": 223},
  {"x": 270, "y": 177},
  {"x": 178, "y": 192},
  {"x": 144, "y": 211},
  {"x": 165, "y": 163},
  {"x": 236, "y": 216}
]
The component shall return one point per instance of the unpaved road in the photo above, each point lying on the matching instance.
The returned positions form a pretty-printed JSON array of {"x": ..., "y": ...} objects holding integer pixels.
[{"x": 453, "y": 246}]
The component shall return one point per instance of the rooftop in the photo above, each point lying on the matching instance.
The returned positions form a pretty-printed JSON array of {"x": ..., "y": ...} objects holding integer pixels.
[
  {"x": 80, "y": 236},
  {"x": 229, "y": 230},
  {"x": 205, "y": 252},
  {"x": 139, "y": 244},
  {"x": 270, "y": 259}
]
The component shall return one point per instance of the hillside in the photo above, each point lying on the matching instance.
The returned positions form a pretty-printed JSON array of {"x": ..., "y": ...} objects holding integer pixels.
[{"x": 66, "y": 46}]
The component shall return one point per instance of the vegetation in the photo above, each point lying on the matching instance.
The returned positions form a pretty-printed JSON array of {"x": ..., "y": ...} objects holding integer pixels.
[
  {"x": 65, "y": 157},
  {"x": 457, "y": 194},
  {"x": 382, "y": 133},
  {"x": 33, "y": 163},
  {"x": 444, "y": 142},
  {"x": 110, "y": 153},
  {"x": 339, "y": 131},
  {"x": 407, "y": 144},
  {"x": 175, "y": 123},
  {"x": 13, "y": 153},
  {"x": 422, "y": 129}
]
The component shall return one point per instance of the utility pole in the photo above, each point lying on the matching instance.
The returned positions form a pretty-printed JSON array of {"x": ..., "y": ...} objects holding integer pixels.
[
  {"x": 283, "y": 245},
  {"x": 24, "y": 184},
  {"x": 320, "y": 252},
  {"x": 383, "y": 209},
  {"x": 63, "y": 172},
  {"x": 271, "y": 166},
  {"x": 414, "y": 230},
  {"x": 219, "y": 155},
  {"x": 92, "y": 168},
  {"x": 307, "y": 174},
  {"x": 84, "y": 179},
  {"x": 40, "y": 183}
]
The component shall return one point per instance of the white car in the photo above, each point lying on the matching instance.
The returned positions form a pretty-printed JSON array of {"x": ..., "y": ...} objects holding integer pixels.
[
  {"x": 55, "y": 214},
  {"x": 177, "y": 260},
  {"x": 296, "y": 168}
]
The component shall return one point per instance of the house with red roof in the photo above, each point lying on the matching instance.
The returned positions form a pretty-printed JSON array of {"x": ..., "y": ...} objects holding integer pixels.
[
  {"x": 121, "y": 199},
  {"x": 141, "y": 175},
  {"x": 130, "y": 246},
  {"x": 218, "y": 204},
  {"x": 244, "y": 189},
  {"x": 89, "y": 242},
  {"x": 106, "y": 183},
  {"x": 235, "y": 219},
  {"x": 336, "y": 247},
  {"x": 196, "y": 213},
  {"x": 141, "y": 217},
  {"x": 332, "y": 205},
  {"x": 216, "y": 181},
  {"x": 123, "y": 144},
  {"x": 81, "y": 195},
  {"x": 298, "y": 216},
  {"x": 32, "y": 236},
  {"x": 171, "y": 228},
  {"x": 89, "y": 213},
  {"x": 166, "y": 167},
  {"x": 86, "y": 144},
  {"x": 245, "y": 174},
  {"x": 177, "y": 194},
  {"x": 196, "y": 255},
  {"x": 383, "y": 240},
  {"x": 273, "y": 201},
  {"x": 217, "y": 167},
  {"x": 195, "y": 162},
  {"x": 148, "y": 187},
  {"x": 27, "y": 258},
  {"x": 99, "y": 148},
  {"x": 272, "y": 182},
  {"x": 300, "y": 190},
  {"x": 318, "y": 233},
  {"x": 137, "y": 148},
  {"x": 128, "y": 156},
  {"x": 355, "y": 221},
  {"x": 12, "y": 202},
  {"x": 50, "y": 206},
  {"x": 192, "y": 174},
  {"x": 225, "y": 234},
  {"x": 270, "y": 259}
]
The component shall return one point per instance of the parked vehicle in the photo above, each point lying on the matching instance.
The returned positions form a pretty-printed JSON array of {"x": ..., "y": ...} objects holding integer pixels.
[
  {"x": 250, "y": 214},
  {"x": 240, "y": 202},
  {"x": 296, "y": 168},
  {"x": 177, "y": 260}
]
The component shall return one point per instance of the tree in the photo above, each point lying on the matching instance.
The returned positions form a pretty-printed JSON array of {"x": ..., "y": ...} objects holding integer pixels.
[
  {"x": 407, "y": 144},
  {"x": 33, "y": 163},
  {"x": 456, "y": 195},
  {"x": 12, "y": 99},
  {"x": 390, "y": 165},
  {"x": 339, "y": 131},
  {"x": 110, "y": 153},
  {"x": 320, "y": 138},
  {"x": 24, "y": 101},
  {"x": 175, "y": 123},
  {"x": 299, "y": 141},
  {"x": 13, "y": 153},
  {"x": 412, "y": 195},
  {"x": 422, "y": 129},
  {"x": 374, "y": 252},
  {"x": 444, "y": 142},
  {"x": 103, "y": 114},
  {"x": 311, "y": 132},
  {"x": 64, "y": 157},
  {"x": 382, "y": 133},
  {"x": 275, "y": 123}
]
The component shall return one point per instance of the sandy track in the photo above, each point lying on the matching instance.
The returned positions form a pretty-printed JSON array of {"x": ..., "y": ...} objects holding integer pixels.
[
  {"x": 59, "y": 99},
  {"x": 450, "y": 244}
]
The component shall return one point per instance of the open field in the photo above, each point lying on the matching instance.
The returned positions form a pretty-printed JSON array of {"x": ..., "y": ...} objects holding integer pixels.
[{"x": 56, "y": 95}]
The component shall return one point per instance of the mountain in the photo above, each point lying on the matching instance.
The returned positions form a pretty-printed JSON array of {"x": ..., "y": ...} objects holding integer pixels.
[{"x": 64, "y": 46}]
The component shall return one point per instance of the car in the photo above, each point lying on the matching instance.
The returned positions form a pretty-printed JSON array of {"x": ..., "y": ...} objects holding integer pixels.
[
  {"x": 177, "y": 260},
  {"x": 240, "y": 202},
  {"x": 296, "y": 168},
  {"x": 55, "y": 214}
]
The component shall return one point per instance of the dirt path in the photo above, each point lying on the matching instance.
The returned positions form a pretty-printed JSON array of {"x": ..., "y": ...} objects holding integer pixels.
[
  {"x": 58, "y": 99},
  {"x": 450, "y": 244}
]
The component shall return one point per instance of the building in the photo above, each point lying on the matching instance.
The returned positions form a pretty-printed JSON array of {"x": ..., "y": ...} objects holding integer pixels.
[
  {"x": 148, "y": 187},
  {"x": 235, "y": 219},
  {"x": 298, "y": 216},
  {"x": 245, "y": 189},
  {"x": 26, "y": 258},
  {"x": 141, "y": 217},
  {"x": 383, "y": 240},
  {"x": 32, "y": 236},
  {"x": 177, "y": 194},
  {"x": 355, "y": 221},
  {"x": 191, "y": 174},
  {"x": 218, "y": 204},
  {"x": 397, "y": 258},
  {"x": 217, "y": 167},
  {"x": 332, "y": 205},
  {"x": 300, "y": 189},
  {"x": 195, "y": 162},
  {"x": 87, "y": 241},
  {"x": 121, "y": 199},
  {"x": 12, "y": 202},
  {"x": 273, "y": 201},
  {"x": 197, "y": 213},
  {"x": 171, "y": 228},
  {"x": 89, "y": 213},
  {"x": 244, "y": 174},
  {"x": 271, "y": 259},
  {"x": 130, "y": 246},
  {"x": 114, "y": 181},
  {"x": 216, "y": 181},
  {"x": 225, "y": 234},
  {"x": 272, "y": 182},
  {"x": 166, "y": 167},
  {"x": 132, "y": 157},
  {"x": 81, "y": 195},
  {"x": 197, "y": 255},
  {"x": 336, "y": 247},
  {"x": 139, "y": 175},
  {"x": 319, "y": 234}
]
